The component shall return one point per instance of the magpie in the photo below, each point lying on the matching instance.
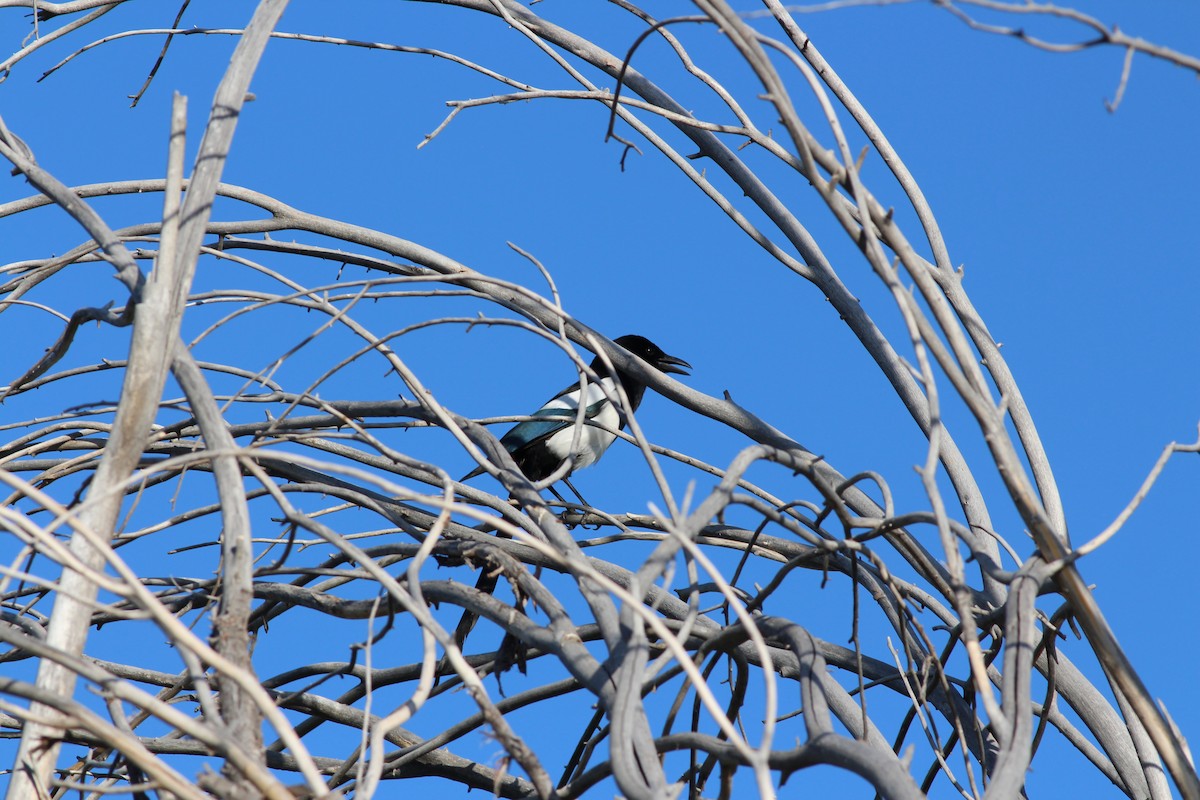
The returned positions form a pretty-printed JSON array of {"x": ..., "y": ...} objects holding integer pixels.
[{"x": 541, "y": 444}]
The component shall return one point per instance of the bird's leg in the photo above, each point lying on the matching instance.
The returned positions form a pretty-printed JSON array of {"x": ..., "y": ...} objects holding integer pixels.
[
  {"x": 574, "y": 491},
  {"x": 569, "y": 508},
  {"x": 566, "y": 503}
]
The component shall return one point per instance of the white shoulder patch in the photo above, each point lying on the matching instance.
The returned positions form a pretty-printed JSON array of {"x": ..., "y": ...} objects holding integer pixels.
[
  {"x": 595, "y": 393},
  {"x": 592, "y": 441}
]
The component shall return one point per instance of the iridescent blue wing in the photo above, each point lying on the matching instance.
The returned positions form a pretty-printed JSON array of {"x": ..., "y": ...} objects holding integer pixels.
[
  {"x": 545, "y": 423},
  {"x": 556, "y": 416}
]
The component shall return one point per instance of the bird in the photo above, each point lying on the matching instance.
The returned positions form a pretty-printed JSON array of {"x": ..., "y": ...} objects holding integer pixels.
[{"x": 541, "y": 444}]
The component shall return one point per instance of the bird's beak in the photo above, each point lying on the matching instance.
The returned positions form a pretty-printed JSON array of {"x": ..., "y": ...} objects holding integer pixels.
[{"x": 673, "y": 364}]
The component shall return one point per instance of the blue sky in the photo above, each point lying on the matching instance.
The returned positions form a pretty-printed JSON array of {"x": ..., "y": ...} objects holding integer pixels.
[{"x": 1075, "y": 227}]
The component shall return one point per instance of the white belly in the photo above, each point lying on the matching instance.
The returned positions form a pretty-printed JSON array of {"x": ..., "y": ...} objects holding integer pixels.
[{"x": 592, "y": 441}]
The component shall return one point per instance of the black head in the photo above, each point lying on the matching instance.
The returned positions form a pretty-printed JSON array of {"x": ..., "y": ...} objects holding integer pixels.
[{"x": 652, "y": 354}]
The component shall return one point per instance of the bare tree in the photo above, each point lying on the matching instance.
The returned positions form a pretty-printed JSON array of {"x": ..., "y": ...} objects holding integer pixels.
[{"x": 227, "y": 505}]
